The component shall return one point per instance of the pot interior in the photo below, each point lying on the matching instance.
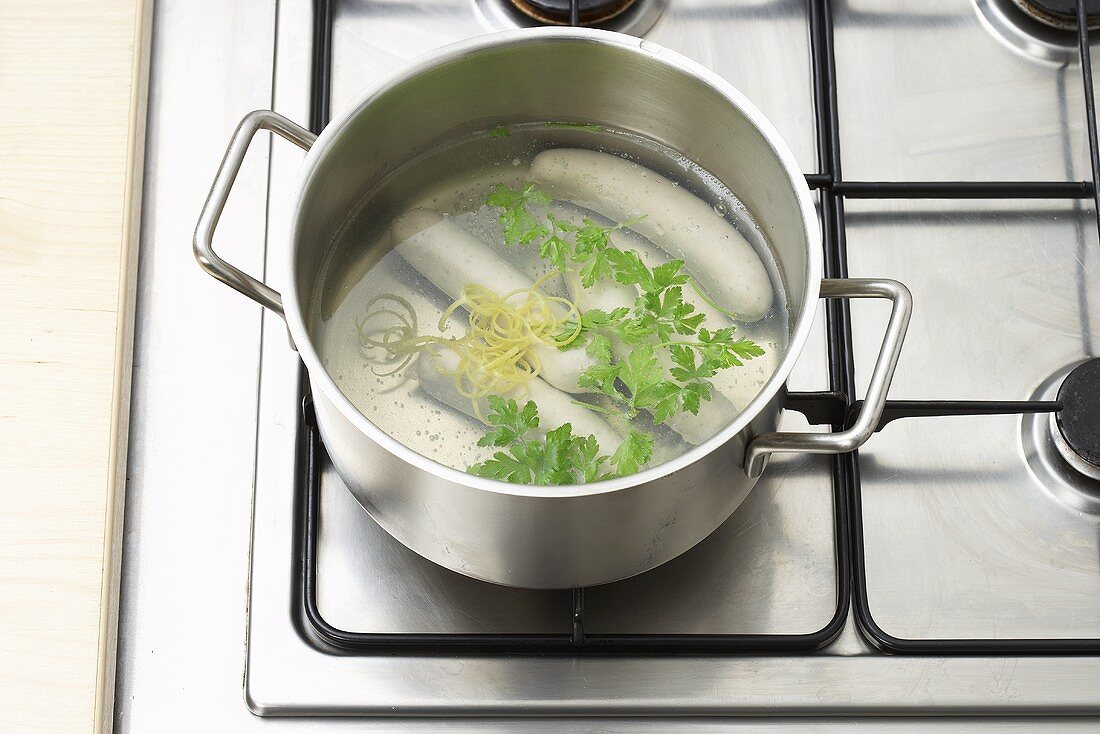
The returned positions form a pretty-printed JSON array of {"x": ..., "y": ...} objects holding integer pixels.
[{"x": 358, "y": 178}]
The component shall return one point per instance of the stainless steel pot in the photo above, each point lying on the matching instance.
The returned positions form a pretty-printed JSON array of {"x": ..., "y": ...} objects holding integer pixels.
[{"x": 553, "y": 537}]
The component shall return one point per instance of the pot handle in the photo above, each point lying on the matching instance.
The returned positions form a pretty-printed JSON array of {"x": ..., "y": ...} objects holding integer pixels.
[
  {"x": 219, "y": 192},
  {"x": 864, "y": 426}
]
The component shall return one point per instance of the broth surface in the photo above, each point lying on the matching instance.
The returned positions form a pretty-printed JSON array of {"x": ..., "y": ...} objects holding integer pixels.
[{"x": 453, "y": 181}]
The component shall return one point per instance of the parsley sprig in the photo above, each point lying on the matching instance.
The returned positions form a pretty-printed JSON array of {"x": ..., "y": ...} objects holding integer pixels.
[
  {"x": 660, "y": 319},
  {"x": 649, "y": 378},
  {"x": 560, "y": 457}
]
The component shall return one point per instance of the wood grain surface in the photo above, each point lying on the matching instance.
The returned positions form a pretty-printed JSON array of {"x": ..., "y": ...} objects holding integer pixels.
[{"x": 72, "y": 107}]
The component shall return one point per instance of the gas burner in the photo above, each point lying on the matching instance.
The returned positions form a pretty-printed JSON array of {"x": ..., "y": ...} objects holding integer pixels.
[
  {"x": 1061, "y": 14},
  {"x": 1063, "y": 449},
  {"x": 634, "y": 17},
  {"x": 556, "y": 12},
  {"x": 1077, "y": 437},
  {"x": 1038, "y": 29}
]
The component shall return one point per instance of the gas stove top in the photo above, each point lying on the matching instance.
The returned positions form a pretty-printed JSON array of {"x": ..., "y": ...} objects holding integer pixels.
[{"x": 952, "y": 567}]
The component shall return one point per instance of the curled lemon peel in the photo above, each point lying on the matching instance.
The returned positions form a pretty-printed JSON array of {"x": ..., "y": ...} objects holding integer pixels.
[{"x": 497, "y": 355}]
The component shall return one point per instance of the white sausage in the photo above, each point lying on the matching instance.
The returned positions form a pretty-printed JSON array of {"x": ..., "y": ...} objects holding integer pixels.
[
  {"x": 674, "y": 219},
  {"x": 556, "y": 408},
  {"x": 484, "y": 223},
  {"x": 450, "y": 257}
]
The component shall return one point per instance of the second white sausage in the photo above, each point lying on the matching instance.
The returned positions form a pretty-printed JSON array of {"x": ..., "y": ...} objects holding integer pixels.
[{"x": 676, "y": 220}]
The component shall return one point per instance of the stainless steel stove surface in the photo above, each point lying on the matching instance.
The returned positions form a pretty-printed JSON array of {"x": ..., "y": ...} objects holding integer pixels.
[{"x": 968, "y": 540}]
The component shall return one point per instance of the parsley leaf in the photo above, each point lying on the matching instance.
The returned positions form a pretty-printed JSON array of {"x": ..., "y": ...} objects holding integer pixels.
[
  {"x": 692, "y": 394},
  {"x": 601, "y": 378},
  {"x": 556, "y": 465},
  {"x": 665, "y": 313},
  {"x": 634, "y": 453},
  {"x": 592, "y": 320},
  {"x": 507, "y": 467},
  {"x": 561, "y": 225},
  {"x": 591, "y": 252},
  {"x": 592, "y": 237},
  {"x": 500, "y": 132},
  {"x": 586, "y": 458},
  {"x": 668, "y": 274},
  {"x": 746, "y": 348},
  {"x": 640, "y": 371},
  {"x": 554, "y": 249},
  {"x": 726, "y": 351},
  {"x": 599, "y": 348},
  {"x": 521, "y": 227},
  {"x": 644, "y": 377},
  {"x": 602, "y": 375},
  {"x": 630, "y": 270},
  {"x": 686, "y": 368},
  {"x": 511, "y": 422}
]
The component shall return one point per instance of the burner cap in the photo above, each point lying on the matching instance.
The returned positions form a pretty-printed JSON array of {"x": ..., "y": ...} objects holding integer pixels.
[
  {"x": 556, "y": 12},
  {"x": 1060, "y": 14},
  {"x": 1079, "y": 419}
]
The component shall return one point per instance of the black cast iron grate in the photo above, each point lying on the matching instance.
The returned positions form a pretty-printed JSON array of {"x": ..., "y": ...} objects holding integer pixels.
[
  {"x": 831, "y": 408},
  {"x": 578, "y": 641},
  {"x": 833, "y": 191}
]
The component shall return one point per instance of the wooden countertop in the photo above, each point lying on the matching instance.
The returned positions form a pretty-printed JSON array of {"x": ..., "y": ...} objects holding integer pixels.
[{"x": 72, "y": 106}]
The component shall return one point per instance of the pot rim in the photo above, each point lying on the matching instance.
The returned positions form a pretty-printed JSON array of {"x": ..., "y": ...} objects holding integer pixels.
[{"x": 320, "y": 378}]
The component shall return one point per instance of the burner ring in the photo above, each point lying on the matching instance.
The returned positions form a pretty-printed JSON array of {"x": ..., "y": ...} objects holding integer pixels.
[
  {"x": 1056, "y": 469},
  {"x": 1061, "y": 14},
  {"x": 556, "y": 12},
  {"x": 1025, "y": 28},
  {"x": 632, "y": 17},
  {"x": 1078, "y": 423}
]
